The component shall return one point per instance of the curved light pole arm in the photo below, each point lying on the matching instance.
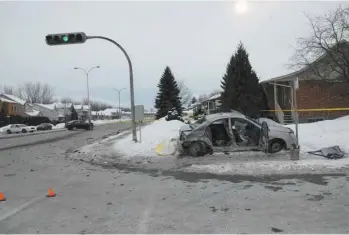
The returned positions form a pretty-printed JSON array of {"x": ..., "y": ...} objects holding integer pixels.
[{"x": 134, "y": 133}]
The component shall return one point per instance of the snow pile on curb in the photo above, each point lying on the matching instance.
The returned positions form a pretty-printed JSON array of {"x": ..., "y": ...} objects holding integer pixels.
[
  {"x": 317, "y": 135},
  {"x": 270, "y": 166},
  {"x": 59, "y": 126},
  {"x": 102, "y": 122},
  {"x": 152, "y": 135}
]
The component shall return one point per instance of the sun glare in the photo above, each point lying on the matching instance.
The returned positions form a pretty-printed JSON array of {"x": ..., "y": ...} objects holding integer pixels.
[{"x": 241, "y": 6}]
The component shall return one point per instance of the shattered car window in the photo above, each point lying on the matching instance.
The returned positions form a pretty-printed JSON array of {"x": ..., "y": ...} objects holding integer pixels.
[{"x": 198, "y": 122}]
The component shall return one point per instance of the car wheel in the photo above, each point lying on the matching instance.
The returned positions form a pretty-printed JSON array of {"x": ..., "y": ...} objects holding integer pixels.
[
  {"x": 24, "y": 131},
  {"x": 276, "y": 146},
  {"x": 196, "y": 149},
  {"x": 9, "y": 132}
]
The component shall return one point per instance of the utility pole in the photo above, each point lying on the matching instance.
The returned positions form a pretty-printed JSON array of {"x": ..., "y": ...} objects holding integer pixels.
[
  {"x": 88, "y": 88},
  {"x": 119, "y": 91}
]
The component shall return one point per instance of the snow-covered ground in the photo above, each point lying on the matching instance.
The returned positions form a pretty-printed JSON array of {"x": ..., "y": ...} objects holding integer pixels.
[
  {"x": 103, "y": 122},
  {"x": 152, "y": 135},
  {"x": 313, "y": 136}
]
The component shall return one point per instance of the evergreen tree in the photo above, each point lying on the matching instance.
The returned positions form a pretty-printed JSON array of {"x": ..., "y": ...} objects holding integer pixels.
[
  {"x": 74, "y": 114},
  {"x": 241, "y": 88},
  {"x": 228, "y": 85},
  {"x": 168, "y": 95},
  {"x": 194, "y": 100}
]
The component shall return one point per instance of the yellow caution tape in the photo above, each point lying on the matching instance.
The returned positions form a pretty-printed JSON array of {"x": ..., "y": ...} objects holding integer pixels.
[{"x": 306, "y": 110}]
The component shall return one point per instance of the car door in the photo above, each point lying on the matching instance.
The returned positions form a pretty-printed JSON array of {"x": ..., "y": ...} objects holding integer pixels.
[
  {"x": 17, "y": 128},
  {"x": 246, "y": 134},
  {"x": 220, "y": 136},
  {"x": 264, "y": 137}
]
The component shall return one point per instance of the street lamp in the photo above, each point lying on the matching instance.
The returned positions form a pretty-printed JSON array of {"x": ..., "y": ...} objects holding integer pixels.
[
  {"x": 119, "y": 91},
  {"x": 81, "y": 37},
  {"x": 88, "y": 88}
]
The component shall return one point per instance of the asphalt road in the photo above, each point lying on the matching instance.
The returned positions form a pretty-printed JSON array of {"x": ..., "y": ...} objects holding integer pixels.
[{"x": 120, "y": 199}]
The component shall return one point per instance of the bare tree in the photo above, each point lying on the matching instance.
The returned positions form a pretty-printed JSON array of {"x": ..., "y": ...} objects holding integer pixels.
[
  {"x": 184, "y": 93},
  {"x": 20, "y": 92},
  {"x": 66, "y": 100},
  {"x": 326, "y": 51},
  {"x": 9, "y": 90},
  {"x": 38, "y": 93},
  {"x": 203, "y": 97}
]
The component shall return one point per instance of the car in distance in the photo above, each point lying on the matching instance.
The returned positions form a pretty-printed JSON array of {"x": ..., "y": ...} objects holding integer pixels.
[
  {"x": 44, "y": 127},
  {"x": 20, "y": 128},
  {"x": 79, "y": 124}
]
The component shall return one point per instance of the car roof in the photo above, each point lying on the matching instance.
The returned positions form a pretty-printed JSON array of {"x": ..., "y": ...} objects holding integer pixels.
[{"x": 216, "y": 116}]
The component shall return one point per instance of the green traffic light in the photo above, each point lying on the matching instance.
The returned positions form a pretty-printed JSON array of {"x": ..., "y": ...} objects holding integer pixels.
[{"x": 65, "y": 38}]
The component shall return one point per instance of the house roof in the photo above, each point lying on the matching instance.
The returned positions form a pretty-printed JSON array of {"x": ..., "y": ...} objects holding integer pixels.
[
  {"x": 292, "y": 76},
  {"x": 15, "y": 98},
  {"x": 47, "y": 106},
  {"x": 7, "y": 100},
  {"x": 33, "y": 113},
  {"x": 216, "y": 96}
]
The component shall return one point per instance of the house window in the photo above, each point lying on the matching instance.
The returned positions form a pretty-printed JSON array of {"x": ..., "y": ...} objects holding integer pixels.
[{"x": 316, "y": 119}]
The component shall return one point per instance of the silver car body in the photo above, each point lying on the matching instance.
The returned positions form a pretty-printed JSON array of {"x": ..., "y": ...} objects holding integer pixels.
[{"x": 198, "y": 131}]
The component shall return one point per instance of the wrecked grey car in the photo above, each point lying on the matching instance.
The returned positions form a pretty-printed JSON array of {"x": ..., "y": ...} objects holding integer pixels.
[{"x": 232, "y": 132}]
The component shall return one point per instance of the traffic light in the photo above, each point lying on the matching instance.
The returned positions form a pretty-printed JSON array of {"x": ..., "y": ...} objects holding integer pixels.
[{"x": 65, "y": 38}]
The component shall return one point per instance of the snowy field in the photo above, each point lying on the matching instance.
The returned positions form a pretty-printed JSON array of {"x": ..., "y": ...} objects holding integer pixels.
[{"x": 312, "y": 136}]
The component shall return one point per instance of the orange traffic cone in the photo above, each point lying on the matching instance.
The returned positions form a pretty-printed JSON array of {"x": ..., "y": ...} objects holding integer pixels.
[
  {"x": 51, "y": 193},
  {"x": 2, "y": 197}
]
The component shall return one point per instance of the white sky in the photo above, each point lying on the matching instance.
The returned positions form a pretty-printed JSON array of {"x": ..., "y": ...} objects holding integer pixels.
[{"x": 196, "y": 39}]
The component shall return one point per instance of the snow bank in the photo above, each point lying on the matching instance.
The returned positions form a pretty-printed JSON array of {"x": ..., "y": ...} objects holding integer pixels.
[
  {"x": 317, "y": 135},
  {"x": 271, "y": 167},
  {"x": 152, "y": 135},
  {"x": 59, "y": 126},
  {"x": 102, "y": 122}
]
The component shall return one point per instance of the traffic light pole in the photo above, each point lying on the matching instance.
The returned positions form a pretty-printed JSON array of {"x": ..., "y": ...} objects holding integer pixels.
[{"x": 134, "y": 132}]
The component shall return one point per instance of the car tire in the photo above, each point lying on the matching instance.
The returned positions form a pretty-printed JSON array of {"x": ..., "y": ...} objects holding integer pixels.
[
  {"x": 196, "y": 149},
  {"x": 9, "y": 132},
  {"x": 276, "y": 146},
  {"x": 24, "y": 131}
]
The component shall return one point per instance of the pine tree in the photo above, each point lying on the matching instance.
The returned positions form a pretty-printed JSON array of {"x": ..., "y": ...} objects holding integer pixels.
[
  {"x": 241, "y": 88},
  {"x": 168, "y": 95},
  {"x": 228, "y": 84},
  {"x": 194, "y": 100}
]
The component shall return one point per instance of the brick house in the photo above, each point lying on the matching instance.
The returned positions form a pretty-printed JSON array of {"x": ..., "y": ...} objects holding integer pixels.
[{"x": 313, "y": 93}]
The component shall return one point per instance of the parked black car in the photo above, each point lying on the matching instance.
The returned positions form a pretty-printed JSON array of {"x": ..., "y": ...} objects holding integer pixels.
[
  {"x": 173, "y": 115},
  {"x": 79, "y": 124},
  {"x": 44, "y": 127}
]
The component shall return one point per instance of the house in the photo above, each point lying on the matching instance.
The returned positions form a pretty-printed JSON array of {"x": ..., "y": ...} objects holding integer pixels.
[
  {"x": 7, "y": 107},
  {"x": 14, "y": 105},
  {"x": 82, "y": 111},
  {"x": 312, "y": 93},
  {"x": 212, "y": 104}
]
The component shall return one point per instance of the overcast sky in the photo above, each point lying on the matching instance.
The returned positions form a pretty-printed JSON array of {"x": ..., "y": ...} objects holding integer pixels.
[{"x": 196, "y": 39}]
